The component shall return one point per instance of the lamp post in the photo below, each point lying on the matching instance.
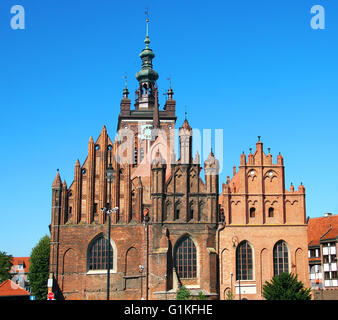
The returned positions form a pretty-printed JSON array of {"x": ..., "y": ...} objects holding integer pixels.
[
  {"x": 110, "y": 177},
  {"x": 146, "y": 220},
  {"x": 141, "y": 268},
  {"x": 231, "y": 274}
]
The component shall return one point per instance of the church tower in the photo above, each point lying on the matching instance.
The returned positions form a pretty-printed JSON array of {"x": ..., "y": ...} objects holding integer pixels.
[{"x": 145, "y": 123}]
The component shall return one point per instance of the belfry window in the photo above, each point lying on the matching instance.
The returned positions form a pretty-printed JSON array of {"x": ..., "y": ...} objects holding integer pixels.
[
  {"x": 185, "y": 259},
  {"x": 98, "y": 254},
  {"x": 280, "y": 258},
  {"x": 244, "y": 264}
]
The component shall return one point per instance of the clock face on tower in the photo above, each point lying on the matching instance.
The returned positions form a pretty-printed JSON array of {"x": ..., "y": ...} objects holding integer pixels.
[{"x": 146, "y": 132}]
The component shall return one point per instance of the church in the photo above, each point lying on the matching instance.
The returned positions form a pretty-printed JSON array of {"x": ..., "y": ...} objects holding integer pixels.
[{"x": 138, "y": 221}]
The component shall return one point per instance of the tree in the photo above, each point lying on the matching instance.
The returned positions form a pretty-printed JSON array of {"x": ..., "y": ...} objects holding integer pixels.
[
  {"x": 183, "y": 294},
  {"x": 285, "y": 287},
  {"x": 5, "y": 266},
  {"x": 39, "y": 269},
  {"x": 229, "y": 295},
  {"x": 201, "y": 296}
]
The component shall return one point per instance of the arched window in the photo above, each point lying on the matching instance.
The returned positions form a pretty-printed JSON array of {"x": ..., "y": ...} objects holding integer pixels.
[
  {"x": 280, "y": 258},
  {"x": 98, "y": 254},
  {"x": 271, "y": 212},
  {"x": 252, "y": 212},
  {"x": 185, "y": 259},
  {"x": 244, "y": 263}
]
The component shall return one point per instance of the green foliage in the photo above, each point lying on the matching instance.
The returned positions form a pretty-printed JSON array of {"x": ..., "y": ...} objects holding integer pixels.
[
  {"x": 229, "y": 295},
  {"x": 5, "y": 266},
  {"x": 183, "y": 294},
  {"x": 201, "y": 296},
  {"x": 285, "y": 287},
  {"x": 39, "y": 269}
]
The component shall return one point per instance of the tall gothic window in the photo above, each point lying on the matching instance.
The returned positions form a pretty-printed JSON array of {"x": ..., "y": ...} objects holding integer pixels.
[
  {"x": 185, "y": 259},
  {"x": 98, "y": 254},
  {"x": 177, "y": 210},
  {"x": 280, "y": 258},
  {"x": 191, "y": 211},
  {"x": 168, "y": 210},
  {"x": 244, "y": 264}
]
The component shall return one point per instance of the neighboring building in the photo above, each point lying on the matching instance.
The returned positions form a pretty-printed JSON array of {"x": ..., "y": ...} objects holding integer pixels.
[
  {"x": 322, "y": 252},
  {"x": 19, "y": 272},
  {"x": 265, "y": 230},
  {"x": 168, "y": 226},
  {"x": 9, "y": 290}
]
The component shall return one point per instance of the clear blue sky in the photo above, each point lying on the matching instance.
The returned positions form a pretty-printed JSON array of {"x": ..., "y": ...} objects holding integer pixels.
[{"x": 248, "y": 67}]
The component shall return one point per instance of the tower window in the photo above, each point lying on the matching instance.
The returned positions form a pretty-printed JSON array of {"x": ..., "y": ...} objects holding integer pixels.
[
  {"x": 252, "y": 212},
  {"x": 271, "y": 212}
]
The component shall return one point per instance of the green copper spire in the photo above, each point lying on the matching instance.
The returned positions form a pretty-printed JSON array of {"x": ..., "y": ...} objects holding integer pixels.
[{"x": 147, "y": 74}]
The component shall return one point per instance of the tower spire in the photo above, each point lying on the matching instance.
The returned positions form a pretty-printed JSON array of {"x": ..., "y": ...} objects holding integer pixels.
[
  {"x": 147, "y": 76},
  {"x": 147, "y": 41}
]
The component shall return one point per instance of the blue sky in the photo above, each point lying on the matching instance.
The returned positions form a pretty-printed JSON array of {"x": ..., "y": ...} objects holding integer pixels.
[{"x": 248, "y": 67}]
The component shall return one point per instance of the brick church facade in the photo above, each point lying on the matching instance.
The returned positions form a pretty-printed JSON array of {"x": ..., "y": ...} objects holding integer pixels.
[{"x": 169, "y": 227}]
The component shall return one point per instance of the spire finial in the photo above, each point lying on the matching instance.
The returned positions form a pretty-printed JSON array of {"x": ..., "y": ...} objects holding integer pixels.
[
  {"x": 169, "y": 79},
  {"x": 185, "y": 112},
  {"x": 125, "y": 79},
  {"x": 147, "y": 41},
  {"x": 125, "y": 90}
]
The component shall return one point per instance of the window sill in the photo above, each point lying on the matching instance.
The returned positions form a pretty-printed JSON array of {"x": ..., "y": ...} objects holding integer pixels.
[{"x": 100, "y": 271}]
